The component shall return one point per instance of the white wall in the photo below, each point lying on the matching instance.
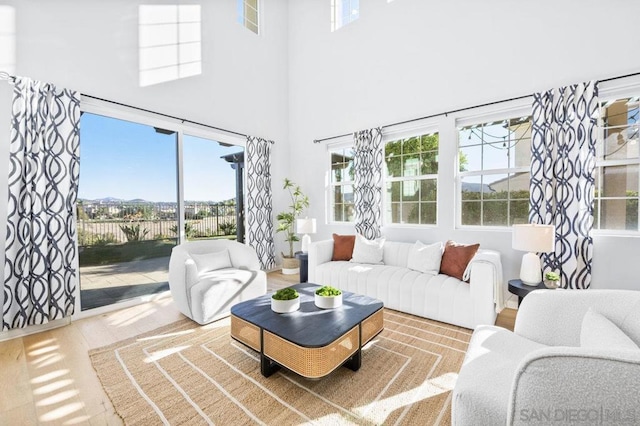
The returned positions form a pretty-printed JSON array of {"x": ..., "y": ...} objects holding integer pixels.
[{"x": 412, "y": 58}]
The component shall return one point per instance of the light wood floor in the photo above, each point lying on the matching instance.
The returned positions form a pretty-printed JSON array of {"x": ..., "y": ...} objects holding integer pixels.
[{"x": 47, "y": 378}]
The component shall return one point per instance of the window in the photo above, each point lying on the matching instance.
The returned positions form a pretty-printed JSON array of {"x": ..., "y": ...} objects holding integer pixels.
[
  {"x": 617, "y": 161},
  {"x": 249, "y": 14},
  {"x": 411, "y": 180},
  {"x": 494, "y": 162},
  {"x": 344, "y": 12},
  {"x": 169, "y": 42},
  {"x": 342, "y": 185}
]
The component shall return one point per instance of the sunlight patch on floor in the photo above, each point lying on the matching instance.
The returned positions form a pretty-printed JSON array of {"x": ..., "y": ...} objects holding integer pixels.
[
  {"x": 379, "y": 411},
  {"x": 155, "y": 356}
]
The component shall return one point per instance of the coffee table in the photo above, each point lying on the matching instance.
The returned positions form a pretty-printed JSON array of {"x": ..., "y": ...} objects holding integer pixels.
[{"x": 311, "y": 342}]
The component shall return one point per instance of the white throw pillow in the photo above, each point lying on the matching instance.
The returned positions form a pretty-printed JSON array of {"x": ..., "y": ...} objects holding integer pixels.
[
  {"x": 367, "y": 251},
  {"x": 425, "y": 258},
  {"x": 599, "y": 332},
  {"x": 212, "y": 261}
]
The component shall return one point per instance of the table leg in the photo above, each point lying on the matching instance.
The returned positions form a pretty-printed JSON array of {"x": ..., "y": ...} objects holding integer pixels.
[
  {"x": 267, "y": 367},
  {"x": 355, "y": 361}
]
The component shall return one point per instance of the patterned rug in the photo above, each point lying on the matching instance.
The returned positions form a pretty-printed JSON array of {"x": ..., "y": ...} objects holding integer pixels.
[{"x": 184, "y": 373}]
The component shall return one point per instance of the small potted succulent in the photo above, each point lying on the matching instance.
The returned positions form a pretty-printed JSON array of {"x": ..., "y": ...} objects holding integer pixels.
[
  {"x": 285, "y": 300},
  {"x": 327, "y": 297},
  {"x": 552, "y": 280}
]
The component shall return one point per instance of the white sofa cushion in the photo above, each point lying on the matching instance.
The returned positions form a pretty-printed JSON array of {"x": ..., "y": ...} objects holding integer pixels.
[
  {"x": 599, "y": 332},
  {"x": 368, "y": 251},
  {"x": 425, "y": 258},
  {"x": 212, "y": 261}
]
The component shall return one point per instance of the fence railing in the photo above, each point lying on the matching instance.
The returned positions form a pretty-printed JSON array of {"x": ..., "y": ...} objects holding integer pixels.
[{"x": 101, "y": 224}]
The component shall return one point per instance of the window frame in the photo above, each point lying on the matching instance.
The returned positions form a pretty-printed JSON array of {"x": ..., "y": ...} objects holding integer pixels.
[
  {"x": 336, "y": 20},
  {"x": 611, "y": 95},
  {"x": 507, "y": 113},
  {"x": 393, "y": 136},
  {"x": 331, "y": 149},
  {"x": 242, "y": 5}
]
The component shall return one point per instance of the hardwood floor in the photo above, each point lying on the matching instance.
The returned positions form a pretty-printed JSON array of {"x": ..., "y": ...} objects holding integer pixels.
[{"x": 47, "y": 378}]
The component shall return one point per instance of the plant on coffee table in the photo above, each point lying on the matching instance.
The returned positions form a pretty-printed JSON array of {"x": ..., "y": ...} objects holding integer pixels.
[
  {"x": 285, "y": 294},
  {"x": 285, "y": 300},
  {"x": 327, "y": 297},
  {"x": 328, "y": 291}
]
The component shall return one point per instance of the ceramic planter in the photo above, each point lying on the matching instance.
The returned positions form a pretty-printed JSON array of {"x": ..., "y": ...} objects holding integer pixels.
[
  {"x": 328, "y": 302},
  {"x": 285, "y": 306}
]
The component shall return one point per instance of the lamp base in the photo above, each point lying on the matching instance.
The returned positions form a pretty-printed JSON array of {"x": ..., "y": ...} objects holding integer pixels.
[
  {"x": 530, "y": 270},
  {"x": 304, "y": 246}
]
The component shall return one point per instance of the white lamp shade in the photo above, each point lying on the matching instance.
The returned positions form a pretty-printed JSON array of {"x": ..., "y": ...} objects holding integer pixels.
[
  {"x": 306, "y": 226},
  {"x": 534, "y": 238}
]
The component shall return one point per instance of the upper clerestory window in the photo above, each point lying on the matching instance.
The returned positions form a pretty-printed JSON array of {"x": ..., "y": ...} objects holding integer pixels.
[
  {"x": 249, "y": 14},
  {"x": 344, "y": 12}
]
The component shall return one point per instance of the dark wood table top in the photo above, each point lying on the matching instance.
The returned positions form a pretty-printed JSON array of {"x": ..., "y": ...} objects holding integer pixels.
[
  {"x": 309, "y": 326},
  {"x": 521, "y": 289}
]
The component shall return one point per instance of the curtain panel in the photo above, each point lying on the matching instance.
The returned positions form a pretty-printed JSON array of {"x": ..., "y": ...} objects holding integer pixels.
[
  {"x": 367, "y": 182},
  {"x": 562, "y": 177},
  {"x": 259, "y": 201},
  {"x": 40, "y": 270}
]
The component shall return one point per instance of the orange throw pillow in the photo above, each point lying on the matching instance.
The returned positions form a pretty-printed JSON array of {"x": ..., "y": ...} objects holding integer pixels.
[
  {"x": 456, "y": 257},
  {"x": 343, "y": 246}
]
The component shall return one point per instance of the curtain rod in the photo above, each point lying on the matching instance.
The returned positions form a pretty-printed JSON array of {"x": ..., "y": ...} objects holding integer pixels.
[
  {"x": 183, "y": 120},
  {"x": 11, "y": 79},
  {"x": 464, "y": 109}
]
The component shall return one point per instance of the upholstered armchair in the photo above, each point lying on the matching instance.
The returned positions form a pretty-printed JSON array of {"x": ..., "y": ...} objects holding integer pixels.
[
  {"x": 573, "y": 359},
  {"x": 208, "y": 277}
]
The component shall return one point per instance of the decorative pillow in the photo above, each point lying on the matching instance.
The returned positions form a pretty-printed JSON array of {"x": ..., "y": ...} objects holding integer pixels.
[
  {"x": 368, "y": 251},
  {"x": 599, "y": 332},
  {"x": 456, "y": 257},
  {"x": 425, "y": 258},
  {"x": 212, "y": 261},
  {"x": 343, "y": 246}
]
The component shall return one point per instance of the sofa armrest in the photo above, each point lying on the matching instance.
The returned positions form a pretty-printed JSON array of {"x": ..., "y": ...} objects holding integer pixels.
[
  {"x": 319, "y": 252},
  {"x": 554, "y": 317},
  {"x": 563, "y": 385},
  {"x": 483, "y": 279}
]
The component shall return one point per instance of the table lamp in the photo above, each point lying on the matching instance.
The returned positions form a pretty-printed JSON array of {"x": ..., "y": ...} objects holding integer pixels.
[
  {"x": 306, "y": 226},
  {"x": 533, "y": 239}
]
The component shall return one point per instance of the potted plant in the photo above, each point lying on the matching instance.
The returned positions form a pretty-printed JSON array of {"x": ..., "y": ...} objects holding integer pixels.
[
  {"x": 286, "y": 221},
  {"x": 552, "y": 280},
  {"x": 285, "y": 300},
  {"x": 327, "y": 297}
]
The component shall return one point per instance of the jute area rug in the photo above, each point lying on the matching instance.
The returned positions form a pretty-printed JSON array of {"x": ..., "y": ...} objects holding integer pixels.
[{"x": 184, "y": 373}]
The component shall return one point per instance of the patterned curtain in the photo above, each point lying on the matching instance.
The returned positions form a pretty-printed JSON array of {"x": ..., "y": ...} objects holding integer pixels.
[
  {"x": 367, "y": 182},
  {"x": 259, "y": 199},
  {"x": 562, "y": 177},
  {"x": 40, "y": 276}
]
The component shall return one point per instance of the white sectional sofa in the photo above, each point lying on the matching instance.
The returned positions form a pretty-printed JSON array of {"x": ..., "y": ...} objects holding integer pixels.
[{"x": 436, "y": 296}]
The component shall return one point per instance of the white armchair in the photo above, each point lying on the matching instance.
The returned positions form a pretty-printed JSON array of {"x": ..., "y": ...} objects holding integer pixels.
[
  {"x": 208, "y": 277},
  {"x": 573, "y": 358}
]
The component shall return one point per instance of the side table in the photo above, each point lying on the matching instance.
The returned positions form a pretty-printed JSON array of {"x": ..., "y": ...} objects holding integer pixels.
[
  {"x": 520, "y": 289},
  {"x": 304, "y": 265}
]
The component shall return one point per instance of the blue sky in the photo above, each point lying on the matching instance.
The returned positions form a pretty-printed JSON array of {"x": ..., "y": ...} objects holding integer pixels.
[{"x": 127, "y": 160}]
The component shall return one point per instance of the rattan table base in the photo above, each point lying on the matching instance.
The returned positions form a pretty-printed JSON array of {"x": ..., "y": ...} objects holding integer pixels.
[{"x": 310, "y": 361}]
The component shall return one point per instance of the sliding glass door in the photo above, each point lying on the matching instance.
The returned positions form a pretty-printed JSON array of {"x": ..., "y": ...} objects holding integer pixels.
[
  {"x": 212, "y": 189},
  {"x": 127, "y": 209}
]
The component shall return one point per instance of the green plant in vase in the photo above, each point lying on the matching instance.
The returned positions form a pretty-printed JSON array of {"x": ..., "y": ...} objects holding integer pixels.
[
  {"x": 286, "y": 221},
  {"x": 552, "y": 280}
]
